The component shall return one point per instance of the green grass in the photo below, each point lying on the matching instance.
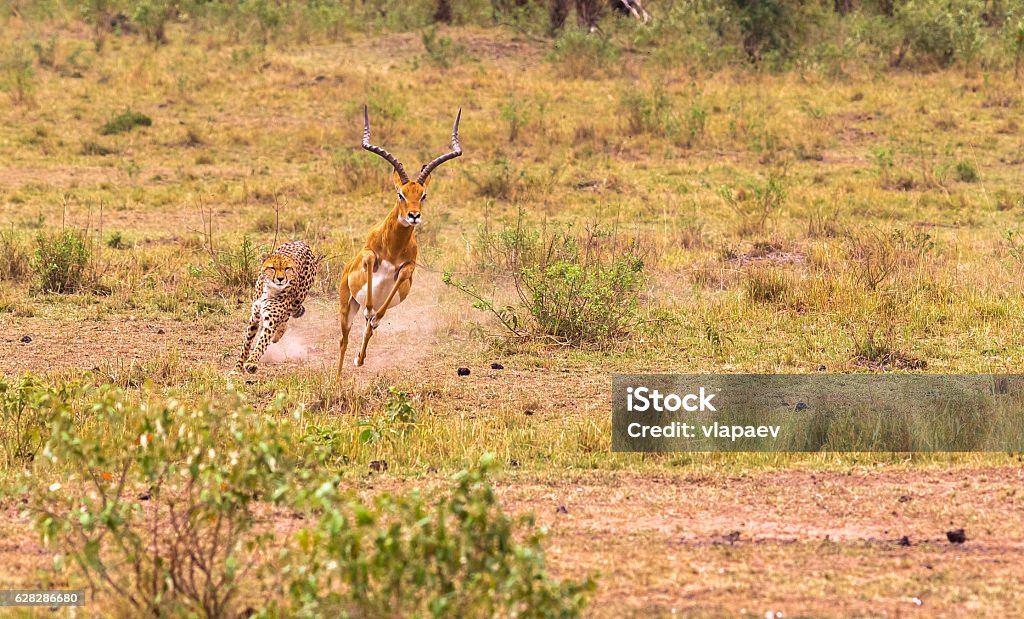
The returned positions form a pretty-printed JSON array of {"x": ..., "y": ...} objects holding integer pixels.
[{"x": 808, "y": 221}]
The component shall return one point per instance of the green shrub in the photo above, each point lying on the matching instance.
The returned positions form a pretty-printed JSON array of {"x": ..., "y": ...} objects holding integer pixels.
[
  {"x": 154, "y": 504},
  {"x": 571, "y": 289},
  {"x": 61, "y": 260},
  {"x": 22, "y": 421},
  {"x": 17, "y": 76},
  {"x": 14, "y": 257},
  {"x": 458, "y": 555},
  {"x": 500, "y": 180},
  {"x": 966, "y": 172},
  {"x": 235, "y": 272},
  {"x": 648, "y": 113},
  {"x": 160, "y": 506},
  {"x": 124, "y": 122},
  {"x": 942, "y": 31},
  {"x": 578, "y": 54},
  {"x": 441, "y": 51},
  {"x": 152, "y": 17},
  {"x": 756, "y": 203}
]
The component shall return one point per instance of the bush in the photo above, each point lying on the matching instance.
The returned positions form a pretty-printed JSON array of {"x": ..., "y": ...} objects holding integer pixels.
[
  {"x": 14, "y": 257},
  {"x": 581, "y": 55},
  {"x": 500, "y": 180},
  {"x": 152, "y": 17},
  {"x": 61, "y": 260},
  {"x": 155, "y": 503},
  {"x": 756, "y": 203},
  {"x": 235, "y": 272},
  {"x": 124, "y": 122},
  {"x": 966, "y": 172},
  {"x": 441, "y": 51},
  {"x": 406, "y": 556},
  {"x": 571, "y": 289},
  {"x": 17, "y": 76},
  {"x": 941, "y": 31},
  {"x": 162, "y": 508},
  {"x": 22, "y": 423}
]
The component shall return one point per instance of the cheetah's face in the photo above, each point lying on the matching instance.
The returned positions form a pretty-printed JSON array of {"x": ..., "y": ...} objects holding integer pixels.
[{"x": 278, "y": 272}]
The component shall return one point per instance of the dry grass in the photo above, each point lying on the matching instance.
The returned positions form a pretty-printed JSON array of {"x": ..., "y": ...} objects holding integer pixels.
[{"x": 896, "y": 248}]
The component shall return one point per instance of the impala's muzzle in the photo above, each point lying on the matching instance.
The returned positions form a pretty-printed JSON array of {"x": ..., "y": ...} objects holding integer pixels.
[{"x": 413, "y": 218}]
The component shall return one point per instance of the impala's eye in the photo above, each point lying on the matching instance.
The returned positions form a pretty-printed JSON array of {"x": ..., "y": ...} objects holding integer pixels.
[
  {"x": 423, "y": 197},
  {"x": 401, "y": 196}
]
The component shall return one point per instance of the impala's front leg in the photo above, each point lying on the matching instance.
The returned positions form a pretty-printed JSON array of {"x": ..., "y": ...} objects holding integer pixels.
[{"x": 369, "y": 265}]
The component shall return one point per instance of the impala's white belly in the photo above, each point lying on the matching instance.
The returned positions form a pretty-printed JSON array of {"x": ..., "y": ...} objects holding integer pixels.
[{"x": 383, "y": 282}]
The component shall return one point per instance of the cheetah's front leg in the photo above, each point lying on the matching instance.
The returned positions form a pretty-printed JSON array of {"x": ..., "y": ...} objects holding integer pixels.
[
  {"x": 250, "y": 335},
  {"x": 266, "y": 332},
  {"x": 279, "y": 332}
]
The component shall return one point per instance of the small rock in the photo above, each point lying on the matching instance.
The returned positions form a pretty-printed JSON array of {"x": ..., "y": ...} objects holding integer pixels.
[
  {"x": 800, "y": 406},
  {"x": 528, "y": 412},
  {"x": 904, "y": 541},
  {"x": 916, "y": 601},
  {"x": 497, "y": 366},
  {"x": 513, "y": 463},
  {"x": 463, "y": 371},
  {"x": 562, "y": 509},
  {"x": 956, "y": 536},
  {"x": 904, "y": 498},
  {"x": 431, "y": 469},
  {"x": 379, "y": 466},
  {"x": 26, "y": 339},
  {"x": 159, "y": 331}
]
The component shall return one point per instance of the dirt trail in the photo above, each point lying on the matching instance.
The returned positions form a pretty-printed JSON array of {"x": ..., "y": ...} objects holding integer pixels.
[{"x": 405, "y": 339}]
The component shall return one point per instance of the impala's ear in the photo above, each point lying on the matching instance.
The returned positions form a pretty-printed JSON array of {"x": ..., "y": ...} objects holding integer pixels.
[{"x": 397, "y": 178}]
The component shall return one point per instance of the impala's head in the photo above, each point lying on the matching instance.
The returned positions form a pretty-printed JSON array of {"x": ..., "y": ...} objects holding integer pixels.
[
  {"x": 278, "y": 271},
  {"x": 411, "y": 196},
  {"x": 411, "y": 193}
]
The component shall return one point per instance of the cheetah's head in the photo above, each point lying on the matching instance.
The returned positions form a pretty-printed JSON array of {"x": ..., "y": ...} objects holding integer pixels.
[{"x": 278, "y": 272}]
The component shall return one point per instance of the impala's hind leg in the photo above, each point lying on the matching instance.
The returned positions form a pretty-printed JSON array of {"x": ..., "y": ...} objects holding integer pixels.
[
  {"x": 348, "y": 314},
  {"x": 367, "y": 332}
]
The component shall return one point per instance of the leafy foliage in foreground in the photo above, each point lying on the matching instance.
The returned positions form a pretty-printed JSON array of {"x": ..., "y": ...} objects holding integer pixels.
[
  {"x": 161, "y": 506},
  {"x": 409, "y": 556}
]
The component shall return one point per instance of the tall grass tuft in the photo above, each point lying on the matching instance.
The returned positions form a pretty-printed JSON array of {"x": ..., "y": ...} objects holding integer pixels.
[{"x": 61, "y": 260}]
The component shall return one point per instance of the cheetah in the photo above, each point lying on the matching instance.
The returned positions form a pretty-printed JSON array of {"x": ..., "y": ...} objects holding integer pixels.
[{"x": 281, "y": 289}]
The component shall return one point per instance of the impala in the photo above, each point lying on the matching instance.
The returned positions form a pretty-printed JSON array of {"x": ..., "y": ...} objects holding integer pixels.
[{"x": 385, "y": 265}]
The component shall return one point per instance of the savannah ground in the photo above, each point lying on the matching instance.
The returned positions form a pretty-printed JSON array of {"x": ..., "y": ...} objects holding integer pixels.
[{"x": 820, "y": 219}]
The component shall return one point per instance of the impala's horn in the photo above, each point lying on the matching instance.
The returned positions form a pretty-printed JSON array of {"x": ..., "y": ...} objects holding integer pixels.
[
  {"x": 455, "y": 152},
  {"x": 377, "y": 150}
]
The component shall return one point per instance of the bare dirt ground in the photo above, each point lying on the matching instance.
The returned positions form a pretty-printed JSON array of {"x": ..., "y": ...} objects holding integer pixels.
[
  {"x": 800, "y": 543},
  {"x": 311, "y": 341},
  {"x": 805, "y": 544}
]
